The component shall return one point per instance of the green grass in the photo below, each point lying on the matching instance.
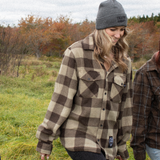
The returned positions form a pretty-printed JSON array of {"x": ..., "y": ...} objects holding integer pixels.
[{"x": 23, "y": 104}]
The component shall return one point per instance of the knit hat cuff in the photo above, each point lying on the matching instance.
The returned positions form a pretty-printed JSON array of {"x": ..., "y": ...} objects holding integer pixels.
[{"x": 111, "y": 21}]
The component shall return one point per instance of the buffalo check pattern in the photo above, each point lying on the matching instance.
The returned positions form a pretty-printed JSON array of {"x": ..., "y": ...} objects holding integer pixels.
[
  {"x": 146, "y": 109},
  {"x": 88, "y": 105}
]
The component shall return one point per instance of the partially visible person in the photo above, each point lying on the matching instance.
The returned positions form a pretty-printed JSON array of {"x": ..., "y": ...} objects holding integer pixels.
[
  {"x": 91, "y": 107},
  {"x": 146, "y": 110}
]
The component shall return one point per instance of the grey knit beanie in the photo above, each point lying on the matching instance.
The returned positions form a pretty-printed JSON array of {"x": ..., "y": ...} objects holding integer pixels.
[{"x": 110, "y": 14}]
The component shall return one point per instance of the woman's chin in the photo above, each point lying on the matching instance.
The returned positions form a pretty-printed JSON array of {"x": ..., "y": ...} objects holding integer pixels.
[{"x": 114, "y": 43}]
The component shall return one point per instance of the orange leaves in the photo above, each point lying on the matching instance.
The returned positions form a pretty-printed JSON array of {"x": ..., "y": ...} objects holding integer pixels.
[
  {"x": 37, "y": 32},
  {"x": 52, "y": 37},
  {"x": 45, "y": 35},
  {"x": 86, "y": 28},
  {"x": 142, "y": 39}
]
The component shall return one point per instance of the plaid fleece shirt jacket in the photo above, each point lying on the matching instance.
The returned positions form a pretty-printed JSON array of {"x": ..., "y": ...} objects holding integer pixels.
[
  {"x": 146, "y": 109},
  {"x": 89, "y": 105}
]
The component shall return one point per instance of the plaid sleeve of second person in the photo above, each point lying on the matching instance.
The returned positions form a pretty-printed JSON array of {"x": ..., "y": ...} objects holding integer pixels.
[
  {"x": 60, "y": 104},
  {"x": 141, "y": 110}
]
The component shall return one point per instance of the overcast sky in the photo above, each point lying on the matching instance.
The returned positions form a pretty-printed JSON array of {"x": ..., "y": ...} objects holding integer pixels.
[{"x": 11, "y": 11}]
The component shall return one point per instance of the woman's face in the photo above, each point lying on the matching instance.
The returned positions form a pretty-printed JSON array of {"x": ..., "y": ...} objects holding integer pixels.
[{"x": 115, "y": 33}]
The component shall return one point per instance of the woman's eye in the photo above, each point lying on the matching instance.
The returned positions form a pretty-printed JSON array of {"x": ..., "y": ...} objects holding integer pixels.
[{"x": 112, "y": 30}]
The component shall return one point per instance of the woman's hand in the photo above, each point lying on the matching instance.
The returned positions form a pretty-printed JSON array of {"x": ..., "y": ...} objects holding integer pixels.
[
  {"x": 44, "y": 155},
  {"x": 119, "y": 157}
]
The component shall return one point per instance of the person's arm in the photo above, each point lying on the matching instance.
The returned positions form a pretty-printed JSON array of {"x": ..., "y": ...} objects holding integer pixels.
[
  {"x": 141, "y": 110},
  {"x": 125, "y": 117},
  {"x": 60, "y": 104}
]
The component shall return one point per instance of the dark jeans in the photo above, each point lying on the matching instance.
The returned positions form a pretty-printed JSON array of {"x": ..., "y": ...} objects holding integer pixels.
[{"x": 84, "y": 155}]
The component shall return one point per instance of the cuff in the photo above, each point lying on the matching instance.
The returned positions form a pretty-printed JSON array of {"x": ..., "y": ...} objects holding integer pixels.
[
  {"x": 44, "y": 148},
  {"x": 123, "y": 154}
]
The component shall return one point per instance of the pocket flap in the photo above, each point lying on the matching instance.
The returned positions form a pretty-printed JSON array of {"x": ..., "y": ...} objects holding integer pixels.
[{"x": 119, "y": 80}]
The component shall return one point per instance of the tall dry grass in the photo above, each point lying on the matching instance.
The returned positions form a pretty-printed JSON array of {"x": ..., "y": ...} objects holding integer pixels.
[{"x": 23, "y": 104}]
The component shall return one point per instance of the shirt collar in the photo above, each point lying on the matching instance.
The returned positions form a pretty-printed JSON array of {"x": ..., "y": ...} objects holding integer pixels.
[
  {"x": 88, "y": 43},
  {"x": 152, "y": 64}
]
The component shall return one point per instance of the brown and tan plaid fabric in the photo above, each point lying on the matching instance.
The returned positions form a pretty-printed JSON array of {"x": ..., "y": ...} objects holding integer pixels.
[
  {"x": 146, "y": 110},
  {"x": 88, "y": 105}
]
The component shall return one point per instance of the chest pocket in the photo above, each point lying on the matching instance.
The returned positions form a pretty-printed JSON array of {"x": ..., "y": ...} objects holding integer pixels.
[
  {"x": 117, "y": 89},
  {"x": 89, "y": 83}
]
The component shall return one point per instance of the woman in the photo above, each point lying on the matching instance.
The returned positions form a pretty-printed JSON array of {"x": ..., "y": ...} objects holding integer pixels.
[
  {"x": 146, "y": 110},
  {"x": 90, "y": 108}
]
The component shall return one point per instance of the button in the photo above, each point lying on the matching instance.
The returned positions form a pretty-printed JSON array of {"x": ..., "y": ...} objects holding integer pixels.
[
  {"x": 98, "y": 140},
  {"x": 101, "y": 125},
  {"x": 103, "y": 109},
  {"x": 105, "y": 93}
]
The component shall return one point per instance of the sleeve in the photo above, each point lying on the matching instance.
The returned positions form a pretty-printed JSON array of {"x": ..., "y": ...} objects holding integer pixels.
[
  {"x": 141, "y": 110},
  {"x": 125, "y": 117},
  {"x": 60, "y": 104}
]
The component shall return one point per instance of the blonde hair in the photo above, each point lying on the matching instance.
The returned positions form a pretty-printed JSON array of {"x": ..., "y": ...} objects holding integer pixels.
[{"x": 104, "y": 46}]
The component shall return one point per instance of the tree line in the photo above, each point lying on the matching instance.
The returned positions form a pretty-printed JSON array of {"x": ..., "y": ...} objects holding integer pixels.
[
  {"x": 44, "y": 36},
  {"x": 146, "y": 18}
]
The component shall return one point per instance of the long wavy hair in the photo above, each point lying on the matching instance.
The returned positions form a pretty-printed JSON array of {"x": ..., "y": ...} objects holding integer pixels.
[
  {"x": 104, "y": 46},
  {"x": 157, "y": 59}
]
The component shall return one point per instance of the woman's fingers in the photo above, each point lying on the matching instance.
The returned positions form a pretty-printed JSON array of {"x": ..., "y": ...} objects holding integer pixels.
[
  {"x": 43, "y": 156},
  {"x": 119, "y": 157},
  {"x": 47, "y": 156}
]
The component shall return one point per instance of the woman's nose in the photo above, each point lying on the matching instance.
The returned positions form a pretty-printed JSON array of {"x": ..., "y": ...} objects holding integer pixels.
[{"x": 118, "y": 35}]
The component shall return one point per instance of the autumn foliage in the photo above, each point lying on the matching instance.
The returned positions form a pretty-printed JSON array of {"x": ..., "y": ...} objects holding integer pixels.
[
  {"x": 143, "y": 38},
  {"x": 51, "y": 37},
  {"x": 44, "y": 36}
]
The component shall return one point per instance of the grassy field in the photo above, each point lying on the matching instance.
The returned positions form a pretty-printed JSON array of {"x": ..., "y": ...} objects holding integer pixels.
[{"x": 23, "y": 104}]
